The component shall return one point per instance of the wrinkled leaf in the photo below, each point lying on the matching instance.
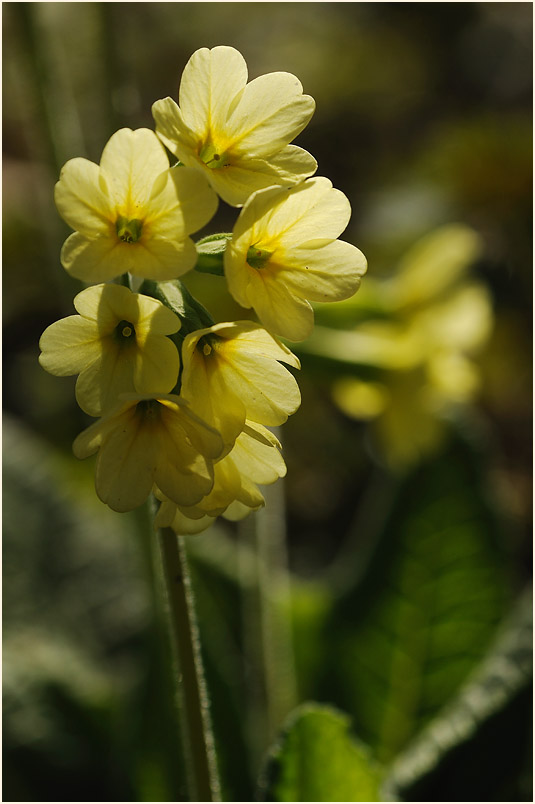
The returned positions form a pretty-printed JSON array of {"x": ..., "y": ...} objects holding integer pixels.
[
  {"x": 407, "y": 637},
  {"x": 177, "y": 297},
  {"x": 210, "y": 252},
  {"x": 317, "y": 759},
  {"x": 505, "y": 671}
]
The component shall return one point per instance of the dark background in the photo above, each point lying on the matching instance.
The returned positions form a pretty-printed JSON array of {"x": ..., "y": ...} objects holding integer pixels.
[{"x": 423, "y": 117}]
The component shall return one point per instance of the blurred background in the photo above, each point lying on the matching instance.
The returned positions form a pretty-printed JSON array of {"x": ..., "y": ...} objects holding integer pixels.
[{"x": 405, "y": 518}]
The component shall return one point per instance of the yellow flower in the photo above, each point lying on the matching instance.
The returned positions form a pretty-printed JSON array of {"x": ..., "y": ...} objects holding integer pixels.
[
  {"x": 254, "y": 459},
  {"x": 236, "y": 132},
  {"x": 231, "y": 373},
  {"x": 424, "y": 351},
  {"x": 133, "y": 213},
  {"x": 117, "y": 345},
  {"x": 284, "y": 251},
  {"x": 148, "y": 440}
]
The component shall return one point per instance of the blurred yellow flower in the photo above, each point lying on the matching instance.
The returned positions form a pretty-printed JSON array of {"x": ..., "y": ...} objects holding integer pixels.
[
  {"x": 434, "y": 321},
  {"x": 133, "y": 213},
  {"x": 117, "y": 345},
  {"x": 148, "y": 440},
  {"x": 231, "y": 373},
  {"x": 236, "y": 132},
  {"x": 284, "y": 251},
  {"x": 255, "y": 458}
]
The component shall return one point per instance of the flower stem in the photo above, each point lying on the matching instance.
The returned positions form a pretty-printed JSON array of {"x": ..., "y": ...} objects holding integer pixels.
[{"x": 195, "y": 716}]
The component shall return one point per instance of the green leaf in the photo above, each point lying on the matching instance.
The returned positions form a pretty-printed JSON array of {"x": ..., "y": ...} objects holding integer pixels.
[
  {"x": 211, "y": 251},
  {"x": 317, "y": 759},
  {"x": 504, "y": 672},
  {"x": 177, "y": 297},
  {"x": 405, "y": 639}
]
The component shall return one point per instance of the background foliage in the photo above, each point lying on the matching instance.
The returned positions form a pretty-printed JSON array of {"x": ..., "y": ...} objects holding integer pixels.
[{"x": 405, "y": 618}]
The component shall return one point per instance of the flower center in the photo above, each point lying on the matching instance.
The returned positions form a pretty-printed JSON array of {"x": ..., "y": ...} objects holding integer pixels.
[
  {"x": 212, "y": 157},
  {"x": 128, "y": 231},
  {"x": 149, "y": 409},
  {"x": 206, "y": 345},
  {"x": 124, "y": 332},
  {"x": 257, "y": 257}
]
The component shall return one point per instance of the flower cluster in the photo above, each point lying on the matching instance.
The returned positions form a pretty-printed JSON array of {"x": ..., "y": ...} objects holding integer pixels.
[
  {"x": 184, "y": 403},
  {"x": 414, "y": 346}
]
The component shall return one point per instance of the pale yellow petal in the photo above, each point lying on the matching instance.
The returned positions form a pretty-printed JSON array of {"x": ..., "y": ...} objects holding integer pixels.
[
  {"x": 154, "y": 318},
  {"x": 185, "y": 526},
  {"x": 462, "y": 321},
  {"x": 156, "y": 366},
  {"x": 127, "y": 465},
  {"x": 247, "y": 174},
  {"x": 330, "y": 273},
  {"x": 227, "y": 485},
  {"x": 359, "y": 399},
  {"x": 130, "y": 161},
  {"x": 160, "y": 258},
  {"x": 246, "y": 336},
  {"x": 89, "y": 441},
  {"x": 433, "y": 264},
  {"x": 181, "y": 202},
  {"x": 268, "y": 391},
  {"x": 292, "y": 164},
  {"x": 197, "y": 199},
  {"x": 261, "y": 434},
  {"x": 165, "y": 513},
  {"x": 106, "y": 305},
  {"x": 196, "y": 511},
  {"x": 177, "y": 414},
  {"x": 249, "y": 495},
  {"x": 95, "y": 260},
  {"x": 234, "y": 184},
  {"x": 99, "y": 384},
  {"x": 205, "y": 389},
  {"x": 256, "y": 460},
  {"x": 239, "y": 275},
  {"x": 237, "y": 511},
  {"x": 453, "y": 376},
  {"x": 210, "y": 83},
  {"x": 172, "y": 130},
  {"x": 271, "y": 112},
  {"x": 82, "y": 198},
  {"x": 312, "y": 211},
  {"x": 183, "y": 474},
  {"x": 68, "y": 345},
  {"x": 105, "y": 258},
  {"x": 278, "y": 309}
]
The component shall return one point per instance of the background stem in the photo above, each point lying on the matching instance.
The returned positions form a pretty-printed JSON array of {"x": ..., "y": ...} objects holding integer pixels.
[
  {"x": 272, "y": 686},
  {"x": 195, "y": 716}
]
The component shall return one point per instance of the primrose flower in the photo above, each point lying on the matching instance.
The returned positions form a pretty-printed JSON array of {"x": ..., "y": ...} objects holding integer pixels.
[
  {"x": 430, "y": 323},
  {"x": 133, "y": 213},
  {"x": 255, "y": 458},
  {"x": 231, "y": 372},
  {"x": 117, "y": 345},
  {"x": 148, "y": 440},
  {"x": 236, "y": 132},
  {"x": 284, "y": 251}
]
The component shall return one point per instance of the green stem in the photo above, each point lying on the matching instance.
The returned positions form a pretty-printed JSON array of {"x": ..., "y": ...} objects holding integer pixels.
[
  {"x": 275, "y": 593},
  {"x": 272, "y": 687},
  {"x": 196, "y": 725}
]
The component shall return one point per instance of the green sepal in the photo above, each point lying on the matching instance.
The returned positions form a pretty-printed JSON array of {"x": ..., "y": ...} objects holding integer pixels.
[{"x": 211, "y": 251}]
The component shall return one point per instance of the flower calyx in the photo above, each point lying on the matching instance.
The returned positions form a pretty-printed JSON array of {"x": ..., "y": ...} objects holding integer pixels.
[
  {"x": 257, "y": 257},
  {"x": 129, "y": 231}
]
